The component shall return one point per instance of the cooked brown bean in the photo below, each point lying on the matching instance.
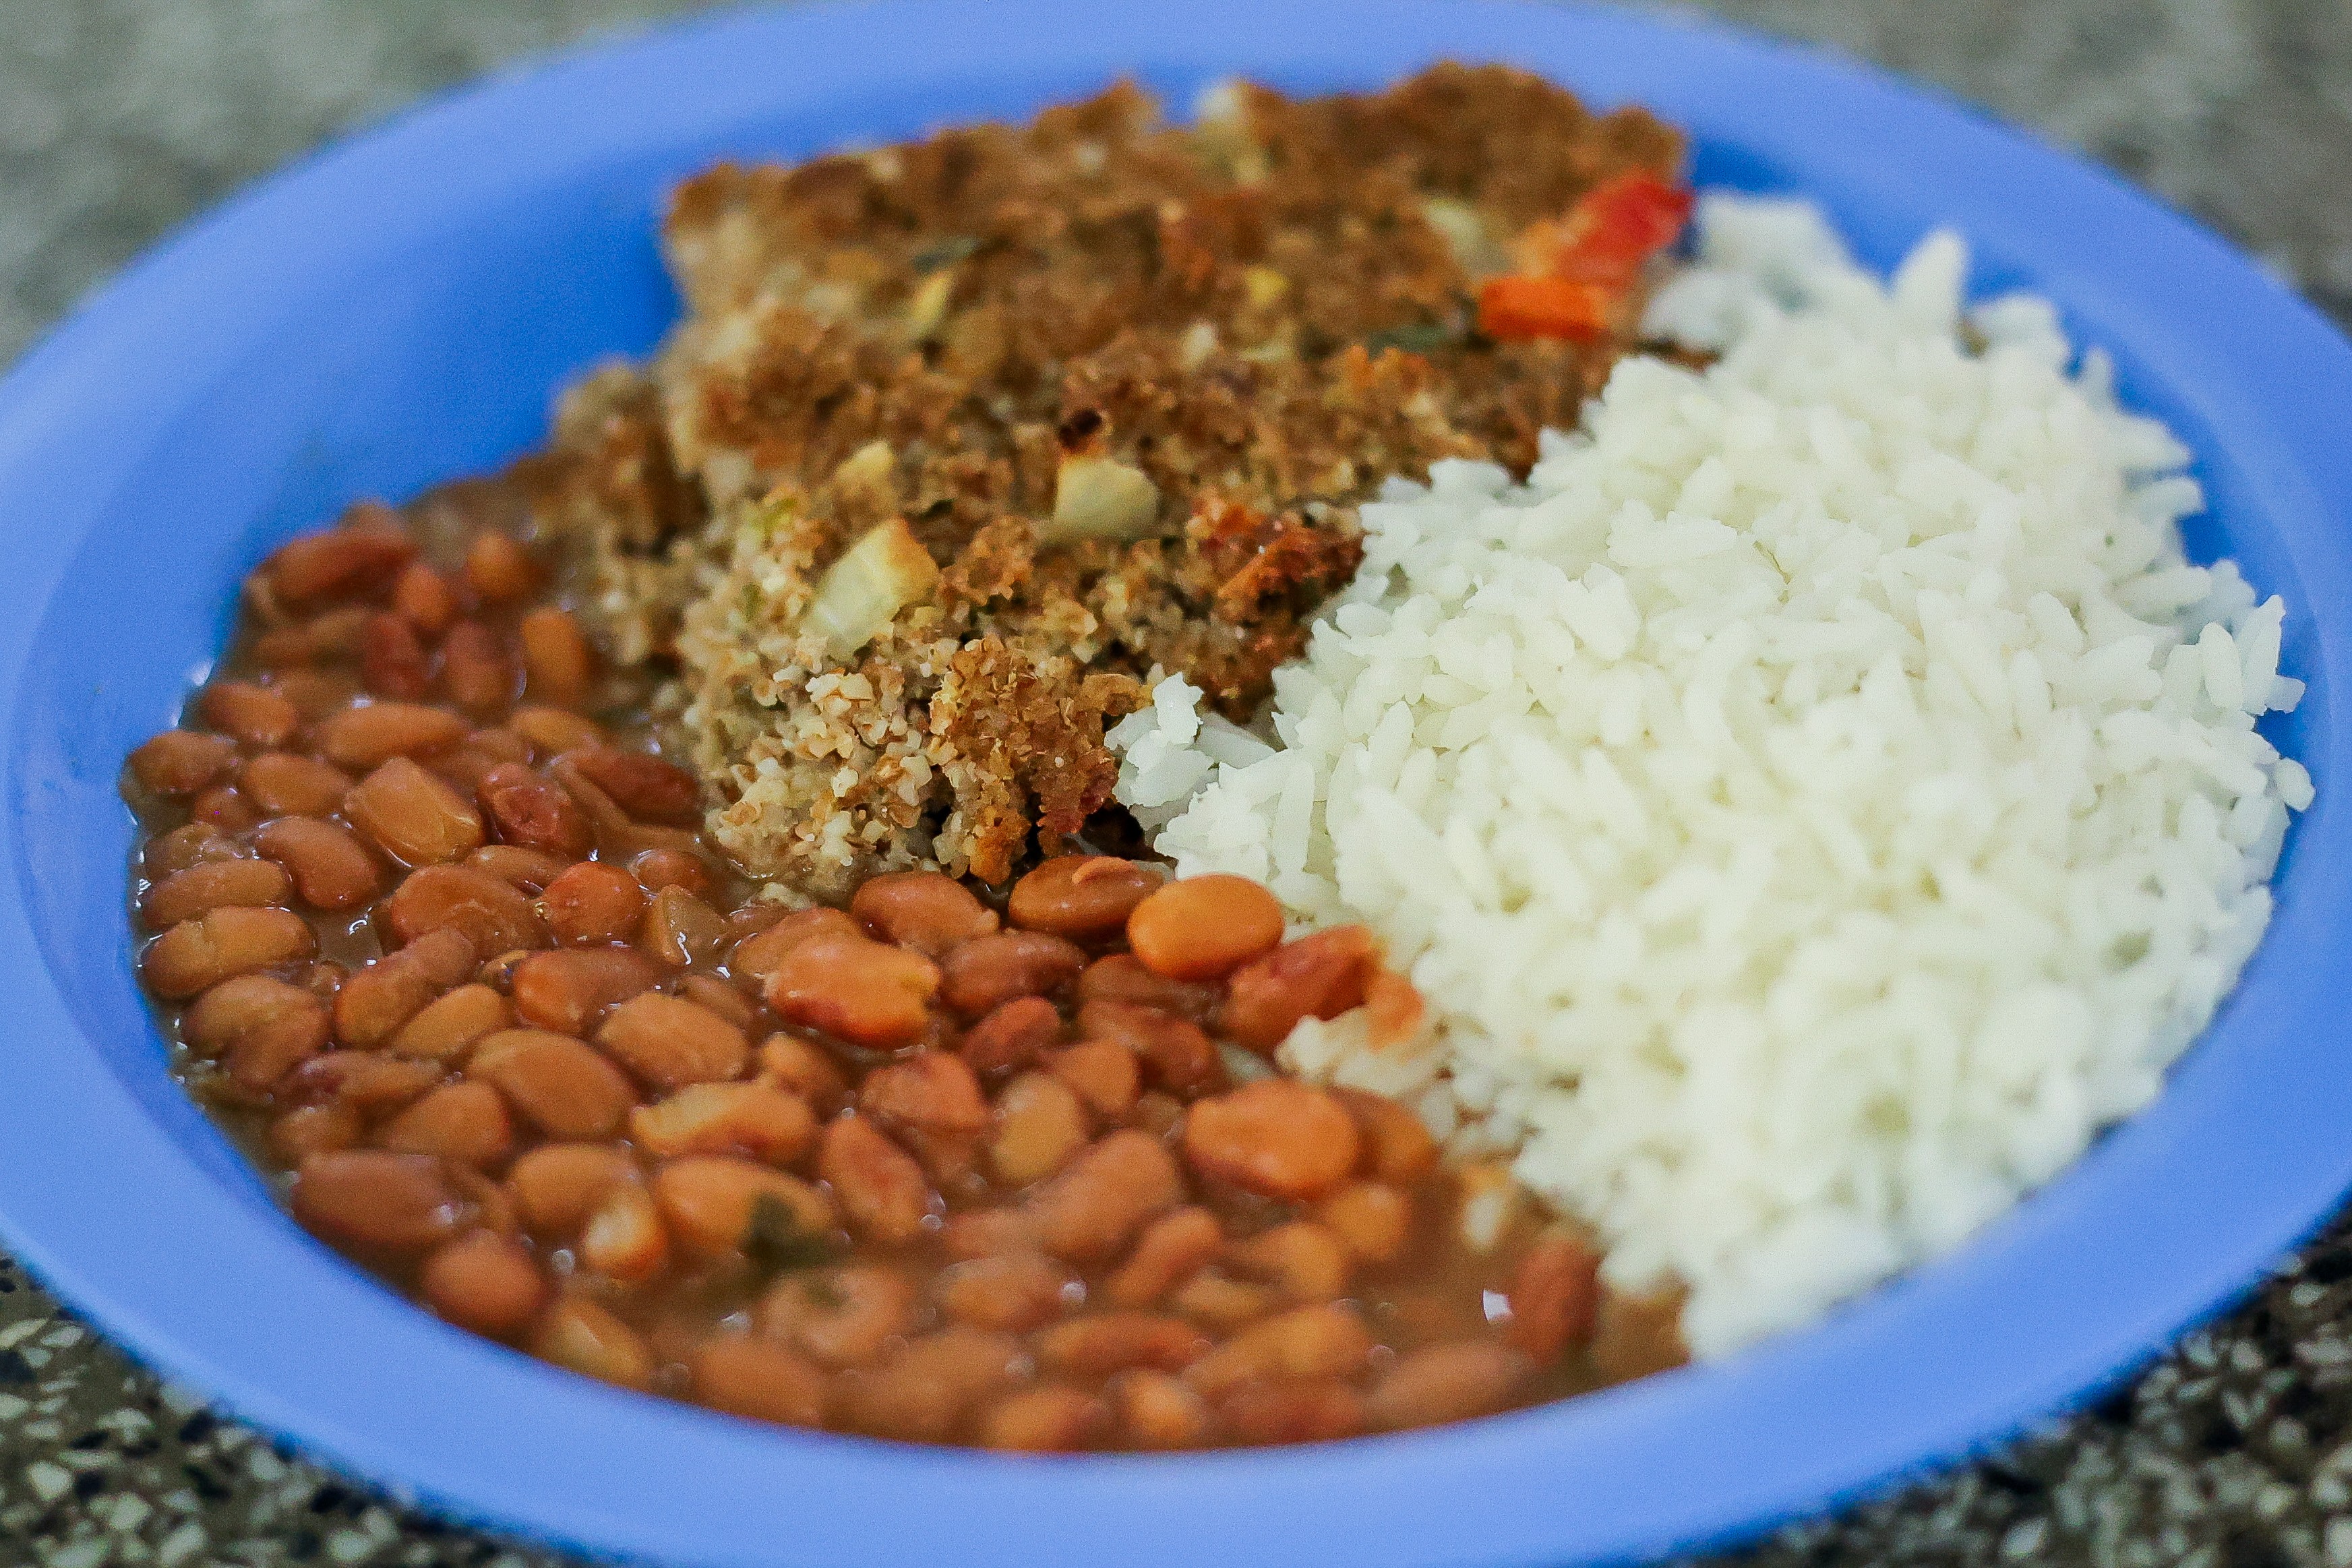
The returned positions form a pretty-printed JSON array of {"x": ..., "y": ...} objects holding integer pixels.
[
  {"x": 932, "y": 1090},
  {"x": 556, "y": 657},
  {"x": 477, "y": 672},
  {"x": 864, "y": 991},
  {"x": 1273, "y": 1137},
  {"x": 1202, "y": 928},
  {"x": 331, "y": 868},
  {"x": 648, "y": 788},
  {"x": 525, "y": 871},
  {"x": 1160, "y": 1114},
  {"x": 486, "y": 1282},
  {"x": 260, "y": 1027},
  {"x": 624, "y": 1238},
  {"x": 585, "y": 1338},
  {"x": 924, "y": 1392},
  {"x": 462, "y": 1122},
  {"x": 1328, "y": 1341},
  {"x": 570, "y": 988},
  {"x": 393, "y": 661},
  {"x": 681, "y": 931},
  {"x": 926, "y": 911},
  {"x": 190, "y": 844},
  {"x": 1555, "y": 1297},
  {"x": 1372, "y": 1218},
  {"x": 754, "y": 1119},
  {"x": 344, "y": 560},
  {"x": 284, "y": 785},
  {"x": 763, "y": 953},
  {"x": 315, "y": 693},
  {"x": 373, "y": 734},
  {"x": 1117, "y": 978},
  {"x": 1313, "y": 1410},
  {"x": 1159, "y": 1411},
  {"x": 1040, "y": 1124},
  {"x": 308, "y": 1129},
  {"x": 1047, "y": 1419},
  {"x": 983, "y": 974},
  {"x": 372, "y": 1082},
  {"x": 989, "y": 1233},
  {"x": 708, "y": 991},
  {"x": 499, "y": 569},
  {"x": 552, "y": 732},
  {"x": 1105, "y": 1074},
  {"x": 180, "y": 763},
  {"x": 463, "y": 767},
  {"x": 593, "y": 904},
  {"x": 1082, "y": 896},
  {"x": 332, "y": 637},
  {"x": 668, "y": 1043},
  {"x": 1307, "y": 1262},
  {"x": 842, "y": 1317},
  {"x": 494, "y": 917},
  {"x": 710, "y": 1202},
  {"x": 558, "y": 1185},
  {"x": 425, "y": 599},
  {"x": 1170, "y": 1250},
  {"x": 1012, "y": 1293},
  {"x": 444, "y": 1028},
  {"x": 1224, "y": 1303},
  {"x": 215, "y": 884},
  {"x": 1103, "y": 1343},
  {"x": 882, "y": 1188},
  {"x": 1445, "y": 1382},
  {"x": 563, "y": 1088},
  {"x": 254, "y": 714},
  {"x": 661, "y": 868},
  {"x": 745, "y": 1376},
  {"x": 412, "y": 815},
  {"x": 1106, "y": 1196},
  {"x": 791, "y": 1063},
  {"x": 1175, "y": 1053},
  {"x": 1397, "y": 1145},
  {"x": 198, "y": 955},
  {"x": 373, "y": 1199},
  {"x": 376, "y": 1001},
  {"x": 1319, "y": 975},
  {"x": 223, "y": 808},
  {"x": 527, "y": 809},
  {"x": 1012, "y": 1036}
]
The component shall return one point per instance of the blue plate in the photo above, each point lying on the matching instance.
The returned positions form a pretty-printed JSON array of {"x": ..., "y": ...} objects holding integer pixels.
[{"x": 397, "y": 311}]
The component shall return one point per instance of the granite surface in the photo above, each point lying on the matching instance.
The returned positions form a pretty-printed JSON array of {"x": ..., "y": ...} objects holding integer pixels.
[{"x": 120, "y": 117}]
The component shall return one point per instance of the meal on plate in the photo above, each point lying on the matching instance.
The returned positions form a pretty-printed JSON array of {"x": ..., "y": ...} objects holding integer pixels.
[{"x": 1164, "y": 786}]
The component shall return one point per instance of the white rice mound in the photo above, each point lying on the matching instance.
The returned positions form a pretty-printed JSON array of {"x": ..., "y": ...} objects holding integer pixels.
[{"x": 1813, "y": 805}]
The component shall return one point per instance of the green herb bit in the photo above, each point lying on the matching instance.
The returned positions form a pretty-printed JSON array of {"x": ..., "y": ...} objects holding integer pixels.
[
  {"x": 945, "y": 253},
  {"x": 777, "y": 1243},
  {"x": 1414, "y": 338}
]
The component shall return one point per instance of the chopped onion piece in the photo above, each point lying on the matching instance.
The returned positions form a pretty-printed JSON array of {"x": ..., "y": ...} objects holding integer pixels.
[
  {"x": 862, "y": 593},
  {"x": 1101, "y": 497}
]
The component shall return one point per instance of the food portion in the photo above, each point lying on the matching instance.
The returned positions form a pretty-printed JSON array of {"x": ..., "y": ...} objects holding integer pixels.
[
  {"x": 960, "y": 439},
  {"x": 1010, "y": 1170},
  {"x": 1103, "y": 812},
  {"x": 1814, "y": 801}
]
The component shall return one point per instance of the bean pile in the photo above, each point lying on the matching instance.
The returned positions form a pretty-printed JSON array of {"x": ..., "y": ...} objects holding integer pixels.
[{"x": 450, "y": 953}]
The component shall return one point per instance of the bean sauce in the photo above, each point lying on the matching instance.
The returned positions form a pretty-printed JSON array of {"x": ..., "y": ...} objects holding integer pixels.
[{"x": 433, "y": 931}]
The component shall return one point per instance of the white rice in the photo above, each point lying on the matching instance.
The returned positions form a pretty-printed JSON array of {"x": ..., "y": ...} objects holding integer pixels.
[{"x": 1814, "y": 804}]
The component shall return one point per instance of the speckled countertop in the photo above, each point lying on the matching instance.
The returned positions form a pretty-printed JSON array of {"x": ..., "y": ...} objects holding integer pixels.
[{"x": 119, "y": 118}]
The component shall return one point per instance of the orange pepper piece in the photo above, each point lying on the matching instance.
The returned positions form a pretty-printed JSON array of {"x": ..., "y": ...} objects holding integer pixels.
[
  {"x": 1514, "y": 309},
  {"x": 1617, "y": 226}
]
